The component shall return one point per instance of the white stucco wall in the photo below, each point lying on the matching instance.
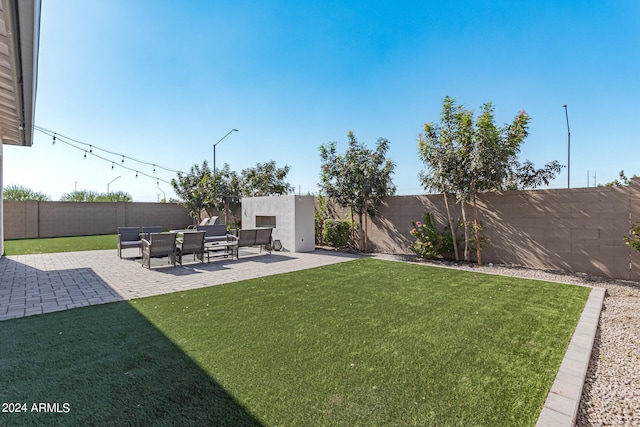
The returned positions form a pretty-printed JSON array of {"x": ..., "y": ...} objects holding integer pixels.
[{"x": 294, "y": 219}]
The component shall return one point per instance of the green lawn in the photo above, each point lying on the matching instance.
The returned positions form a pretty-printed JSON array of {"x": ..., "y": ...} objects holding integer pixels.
[
  {"x": 60, "y": 244},
  {"x": 361, "y": 343}
]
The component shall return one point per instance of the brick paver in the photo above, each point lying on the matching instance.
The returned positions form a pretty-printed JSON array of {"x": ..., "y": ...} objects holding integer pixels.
[{"x": 43, "y": 283}]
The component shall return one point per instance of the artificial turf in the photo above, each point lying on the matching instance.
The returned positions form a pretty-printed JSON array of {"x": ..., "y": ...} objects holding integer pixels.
[
  {"x": 365, "y": 342},
  {"x": 60, "y": 244}
]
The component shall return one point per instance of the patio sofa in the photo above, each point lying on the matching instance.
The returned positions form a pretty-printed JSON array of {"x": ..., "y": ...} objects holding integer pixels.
[
  {"x": 254, "y": 237},
  {"x": 214, "y": 233}
]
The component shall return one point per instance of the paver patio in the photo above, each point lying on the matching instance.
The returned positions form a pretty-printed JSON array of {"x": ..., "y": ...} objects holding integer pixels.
[{"x": 43, "y": 283}]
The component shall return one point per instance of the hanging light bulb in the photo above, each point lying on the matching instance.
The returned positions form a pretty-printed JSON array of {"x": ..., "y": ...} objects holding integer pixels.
[
  {"x": 136, "y": 174},
  {"x": 91, "y": 149},
  {"x": 123, "y": 158},
  {"x": 154, "y": 168},
  {"x": 111, "y": 165},
  {"x": 85, "y": 154},
  {"x": 54, "y": 139}
]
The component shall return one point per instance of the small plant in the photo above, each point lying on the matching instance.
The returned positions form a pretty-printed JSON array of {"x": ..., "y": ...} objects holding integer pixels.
[
  {"x": 335, "y": 232},
  {"x": 321, "y": 214},
  {"x": 430, "y": 243},
  {"x": 634, "y": 240}
]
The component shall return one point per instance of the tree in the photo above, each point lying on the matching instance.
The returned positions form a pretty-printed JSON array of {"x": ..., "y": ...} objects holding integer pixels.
[
  {"x": 466, "y": 157},
  {"x": 225, "y": 191},
  {"x": 193, "y": 187},
  {"x": 358, "y": 179},
  {"x": 114, "y": 196},
  {"x": 439, "y": 150},
  {"x": 265, "y": 179},
  {"x": 618, "y": 183},
  {"x": 93, "y": 196},
  {"x": 18, "y": 192}
]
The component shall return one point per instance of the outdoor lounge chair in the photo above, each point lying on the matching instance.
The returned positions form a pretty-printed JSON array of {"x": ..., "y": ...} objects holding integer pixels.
[
  {"x": 159, "y": 245},
  {"x": 192, "y": 242},
  {"x": 204, "y": 221},
  {"x": 128, "y": 237}
]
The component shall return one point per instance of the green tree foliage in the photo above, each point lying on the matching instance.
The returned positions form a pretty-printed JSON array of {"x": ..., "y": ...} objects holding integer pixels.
[
  {"x": 201, "y": 190},
  {"x": 18, "y": 192},
  {"x": 358, "y": 179},
  {"x": 633, "y": 241},
  {"x": 265, "y": 179},
  {"x": 93, "y": 196},
  {"x": 194, "y": 189},
  {"x": 464, "y": 156},
  {"x": 224, "y": 192},
  {"x": 618, "y": 182}
]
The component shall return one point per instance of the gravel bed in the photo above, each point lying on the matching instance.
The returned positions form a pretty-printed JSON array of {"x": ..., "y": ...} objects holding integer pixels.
[{"x": 611, "y": 394}]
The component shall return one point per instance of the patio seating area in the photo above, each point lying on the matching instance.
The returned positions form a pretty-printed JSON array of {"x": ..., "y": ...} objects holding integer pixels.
[{"x": 212, "y": 240}]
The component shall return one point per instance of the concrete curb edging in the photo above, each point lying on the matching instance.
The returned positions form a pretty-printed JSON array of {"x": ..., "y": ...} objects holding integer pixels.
[{"x": 562, "y": 403}]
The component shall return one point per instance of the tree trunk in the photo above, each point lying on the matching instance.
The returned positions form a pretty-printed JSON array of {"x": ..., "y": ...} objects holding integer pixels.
[
  {"x": 353, "y": 228},
  {"x": 476, "y": 227},
  {"x": 453, "y": 232},
  {"x": 466, "y": 232},
  {"x": 360, "y": 233}
]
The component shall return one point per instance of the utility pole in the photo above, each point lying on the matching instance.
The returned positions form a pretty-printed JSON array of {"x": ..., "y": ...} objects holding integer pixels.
[{"x": 568, "y": 148}]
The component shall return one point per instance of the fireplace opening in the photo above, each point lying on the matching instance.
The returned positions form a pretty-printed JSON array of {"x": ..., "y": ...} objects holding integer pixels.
[{"x": 266, "y": 221}]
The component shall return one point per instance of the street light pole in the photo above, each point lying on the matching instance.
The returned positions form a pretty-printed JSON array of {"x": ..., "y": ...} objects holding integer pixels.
[
  {"x": 164, "y": 196},
  {"x": 111, "y": 182},
  {"x": 568, "y": 148},
  {"x": 214, "y": 150}
]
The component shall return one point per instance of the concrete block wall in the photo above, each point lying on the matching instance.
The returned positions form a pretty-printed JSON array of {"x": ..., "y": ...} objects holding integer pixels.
[
  {"x": 32, "y": 219},
  {"x": 565, "y": 229}
]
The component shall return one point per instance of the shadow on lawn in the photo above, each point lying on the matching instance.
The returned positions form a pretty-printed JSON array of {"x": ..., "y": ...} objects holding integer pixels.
[
  {"x": 105, "y": 365},
  {"x": 189, "y": 266}
]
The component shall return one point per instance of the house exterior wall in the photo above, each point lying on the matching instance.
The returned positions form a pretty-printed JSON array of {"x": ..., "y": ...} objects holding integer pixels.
[{"x": 33, "y": 219}]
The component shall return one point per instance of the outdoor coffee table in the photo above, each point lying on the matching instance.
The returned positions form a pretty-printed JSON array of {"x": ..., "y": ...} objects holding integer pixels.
[{"x": 221, "y": 249}]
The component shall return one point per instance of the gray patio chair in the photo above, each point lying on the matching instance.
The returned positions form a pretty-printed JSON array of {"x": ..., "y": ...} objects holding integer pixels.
[
  {"x": 263, "y": 238},
  {"x": 159, "y": 245},
  {"x": 192, "y": 242},
  {"x": 128, "y": 237},
  {"x": 148, "y": 230}
]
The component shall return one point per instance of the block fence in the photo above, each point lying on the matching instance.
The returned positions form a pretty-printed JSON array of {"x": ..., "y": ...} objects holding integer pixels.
[
  {"x": 578, "y": 230},
  {"x": 33, "y": 219}
]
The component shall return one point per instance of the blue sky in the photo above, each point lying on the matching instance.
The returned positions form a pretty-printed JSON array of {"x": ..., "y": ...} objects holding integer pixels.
[{"x": 162, "y": 81}]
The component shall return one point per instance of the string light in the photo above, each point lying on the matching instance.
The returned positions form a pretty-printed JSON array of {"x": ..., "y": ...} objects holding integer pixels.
[
  {"x": 91, "y": 146},
  {"x": 61, "y": 138}
]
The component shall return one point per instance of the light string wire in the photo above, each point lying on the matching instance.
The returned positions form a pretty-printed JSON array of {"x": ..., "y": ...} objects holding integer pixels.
[{"x": 65, "y": 140}]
